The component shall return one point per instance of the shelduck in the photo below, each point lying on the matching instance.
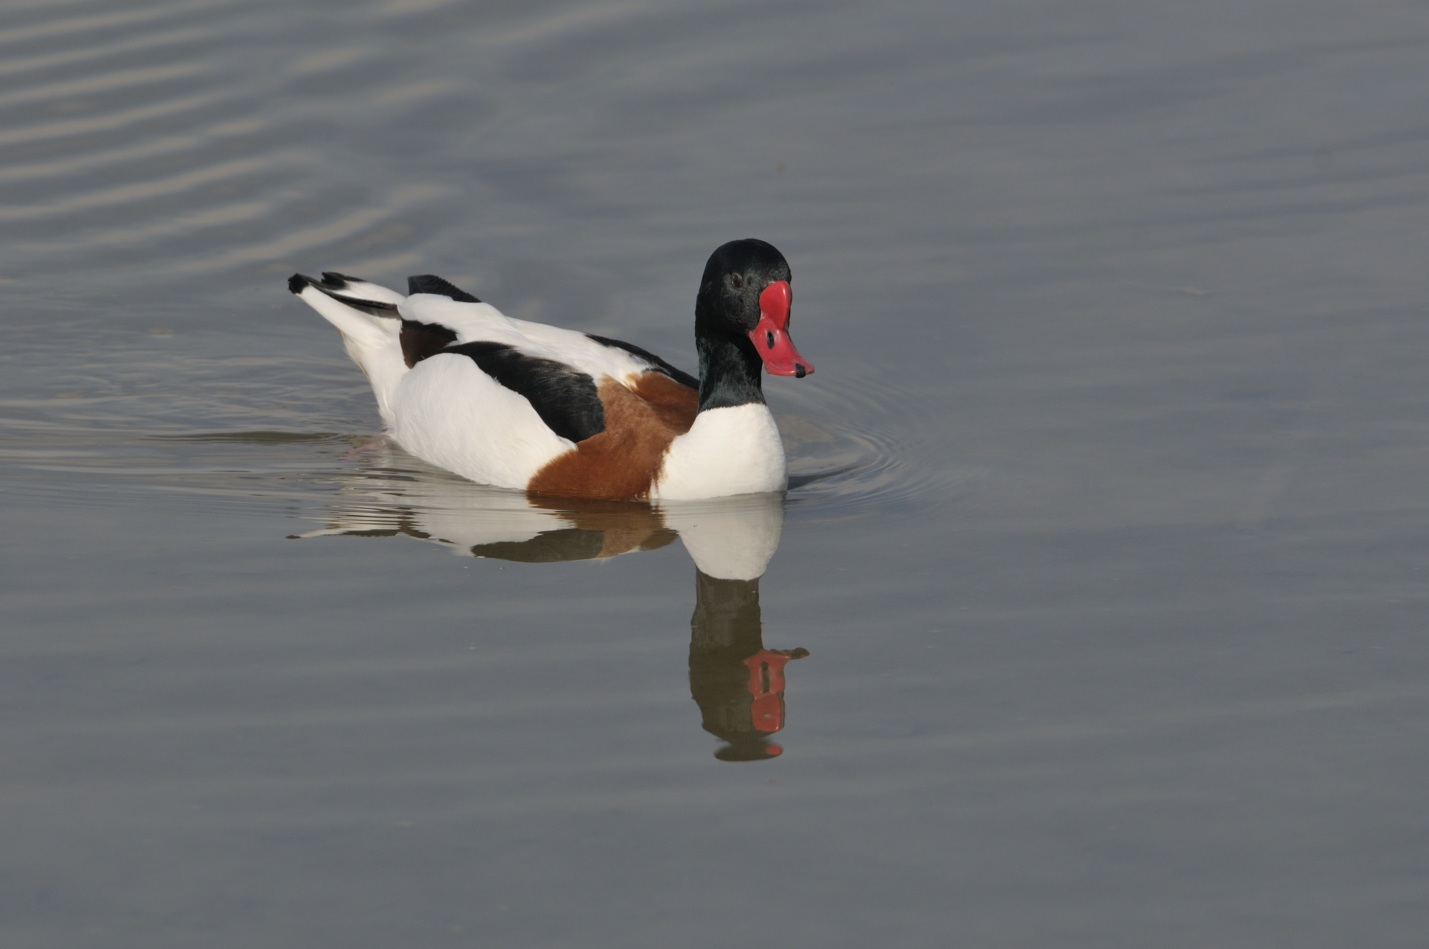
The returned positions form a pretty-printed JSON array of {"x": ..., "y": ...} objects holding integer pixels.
[{"x": 560, "y": 413}]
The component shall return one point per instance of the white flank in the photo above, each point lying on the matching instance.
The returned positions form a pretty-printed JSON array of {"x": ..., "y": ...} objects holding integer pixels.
[{"x": 450, "y": 413}]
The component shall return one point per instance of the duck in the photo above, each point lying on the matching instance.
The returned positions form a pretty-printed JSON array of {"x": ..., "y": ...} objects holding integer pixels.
[{"x": 560, "y": 413}]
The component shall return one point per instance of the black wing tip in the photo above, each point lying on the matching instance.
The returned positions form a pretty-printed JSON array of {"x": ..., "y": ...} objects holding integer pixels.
[
  {"x": 431, "y": 283},
  {"x": 332, "y": 284},
  {"x": 331, "y": 280}
]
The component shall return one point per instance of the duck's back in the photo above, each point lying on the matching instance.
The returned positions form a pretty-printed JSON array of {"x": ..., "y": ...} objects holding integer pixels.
[{"x": 508, "y": 402}]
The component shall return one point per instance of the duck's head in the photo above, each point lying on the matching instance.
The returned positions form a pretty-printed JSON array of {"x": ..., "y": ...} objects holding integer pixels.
[{"x": 745, "y": 293}]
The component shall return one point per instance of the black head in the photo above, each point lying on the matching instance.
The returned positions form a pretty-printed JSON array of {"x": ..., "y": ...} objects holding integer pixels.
[
  {"x": 735, "y": 276},
  {"x": 742, "y": 323}
]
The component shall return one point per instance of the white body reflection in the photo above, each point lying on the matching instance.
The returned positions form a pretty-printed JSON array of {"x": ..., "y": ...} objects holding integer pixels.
[
  {"x": 737, "y": 682},
  {"x": 728, "y": 538}
]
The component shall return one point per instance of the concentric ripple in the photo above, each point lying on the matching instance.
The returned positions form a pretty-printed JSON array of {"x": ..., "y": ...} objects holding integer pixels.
[{"x": 852, "y": 450}]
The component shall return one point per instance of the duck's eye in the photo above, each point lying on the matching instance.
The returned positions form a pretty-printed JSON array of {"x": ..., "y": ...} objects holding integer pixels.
[{"x": 736, "y": 281}]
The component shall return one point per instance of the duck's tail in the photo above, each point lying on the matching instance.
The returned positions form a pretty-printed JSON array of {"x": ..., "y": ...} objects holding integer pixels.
[{"x": 366, "y": 316}]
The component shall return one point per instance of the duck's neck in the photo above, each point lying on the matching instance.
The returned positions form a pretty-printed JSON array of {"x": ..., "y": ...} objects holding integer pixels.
[{"x": 730, "y": 372}]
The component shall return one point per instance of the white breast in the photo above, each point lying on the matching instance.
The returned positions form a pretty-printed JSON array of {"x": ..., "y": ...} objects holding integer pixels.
[{"x": 733, "y": 450}]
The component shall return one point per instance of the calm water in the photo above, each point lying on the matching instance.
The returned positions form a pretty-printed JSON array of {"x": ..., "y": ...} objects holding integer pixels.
[{"x": 1096, "y": 615}]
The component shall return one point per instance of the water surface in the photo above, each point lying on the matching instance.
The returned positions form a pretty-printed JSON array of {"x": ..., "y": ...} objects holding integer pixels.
[{"x": 1094, "y": 615}]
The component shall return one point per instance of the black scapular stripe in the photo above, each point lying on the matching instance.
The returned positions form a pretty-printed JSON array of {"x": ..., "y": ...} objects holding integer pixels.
[
  {"x": 680, "y": 376},
  {"x": 566, "y": 400}
]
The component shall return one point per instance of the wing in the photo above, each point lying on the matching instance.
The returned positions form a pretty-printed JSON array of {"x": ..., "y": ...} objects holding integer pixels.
[
  {"x": 566, "y": 399},
  {"x": 557, "y": 370}
]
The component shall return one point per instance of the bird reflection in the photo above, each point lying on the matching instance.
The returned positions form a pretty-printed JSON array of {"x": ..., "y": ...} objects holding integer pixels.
[{"x": 738, "y": 683}]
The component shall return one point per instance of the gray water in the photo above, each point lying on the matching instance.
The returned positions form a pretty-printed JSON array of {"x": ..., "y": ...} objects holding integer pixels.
[{"x": 1095, "y": 615}]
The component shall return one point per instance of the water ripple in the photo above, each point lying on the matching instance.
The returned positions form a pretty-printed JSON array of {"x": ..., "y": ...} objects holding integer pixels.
[
  {"x": 143, "y": 145},
  {"x": 143, "y": 142},
  {"x": 86, "y": 21},
  {"x": 871, "y": 466}
]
